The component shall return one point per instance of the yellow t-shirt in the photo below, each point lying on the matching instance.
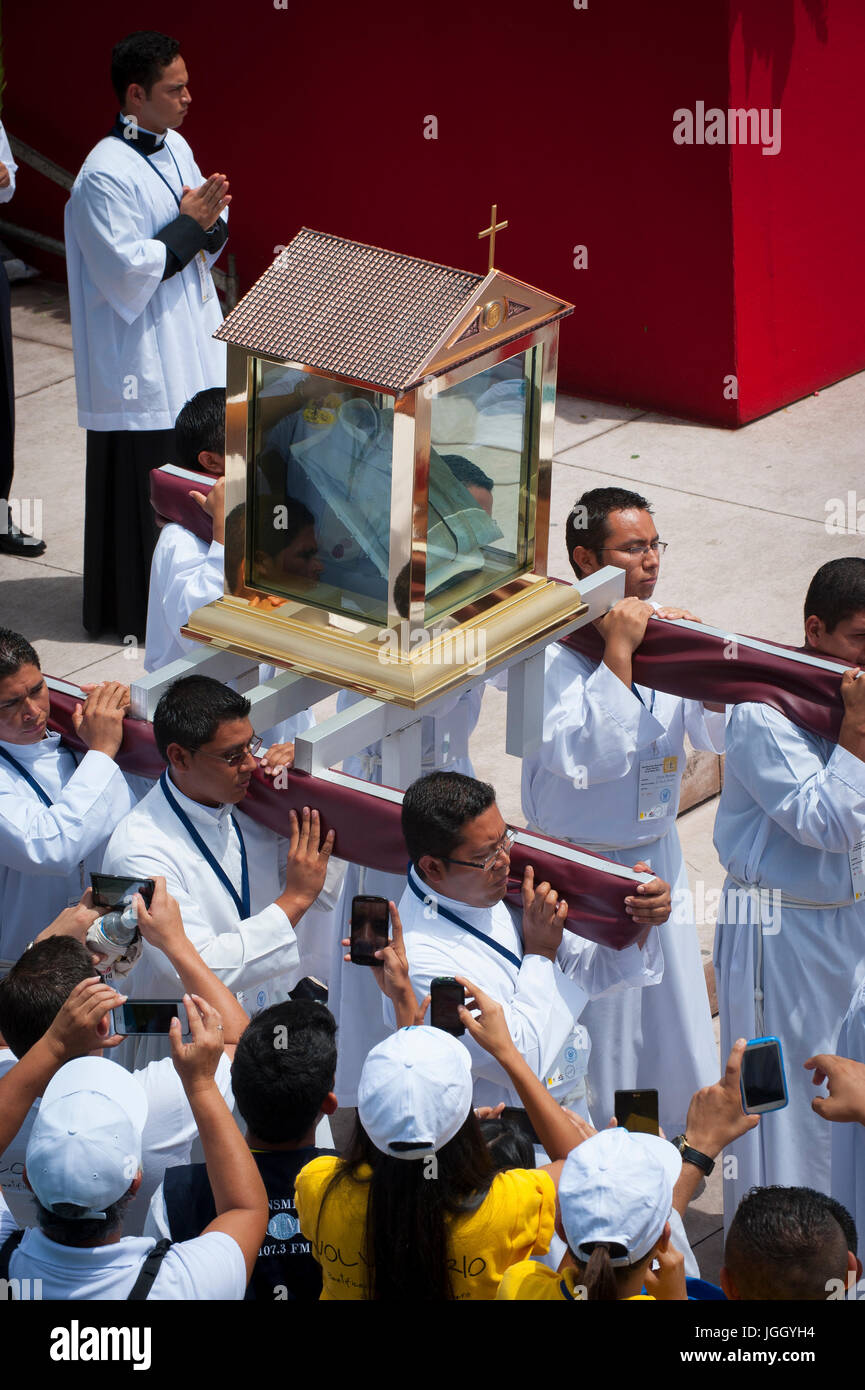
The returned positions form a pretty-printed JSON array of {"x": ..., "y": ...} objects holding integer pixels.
[
  {"x": 529, "y": 1280},
  {"x": 515, "y": 1220}
]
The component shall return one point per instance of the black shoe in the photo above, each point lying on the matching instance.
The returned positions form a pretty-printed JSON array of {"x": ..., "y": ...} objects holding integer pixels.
[{"x": 14, "y": 541}]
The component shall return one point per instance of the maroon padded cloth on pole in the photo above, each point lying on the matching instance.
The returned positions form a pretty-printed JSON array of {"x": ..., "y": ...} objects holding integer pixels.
[
  {"x": 170, "y": 499},
  {"x": 692, "y": 664},
  {"x": 368, "y": 830}
]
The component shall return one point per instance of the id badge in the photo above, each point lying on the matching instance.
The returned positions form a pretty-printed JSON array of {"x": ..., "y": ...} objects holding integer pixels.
[
  {"x": 656, "y": 797},
  {"x": 569, "y": 1068},
  {"x": 204, "y": 277},
  {"x": 857, "y": 869}
]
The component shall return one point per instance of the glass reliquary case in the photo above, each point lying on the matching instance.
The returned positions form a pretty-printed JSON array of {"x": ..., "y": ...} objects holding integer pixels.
[{"x": 389, "y": 437}]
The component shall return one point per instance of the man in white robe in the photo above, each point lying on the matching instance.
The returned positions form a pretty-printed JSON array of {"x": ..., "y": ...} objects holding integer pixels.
[
  {"x": 844, "y": 1106},
  {"x": 142, "y": 231},
  {"x": 187, "y": 573},
  {"x": 57, "y": 809},
  {"x": 790, "y": 940},
  {"x": 13, "y": 541},
  {"x": 608, "y": 777},
  {"x": 455, "y": 922},
  {"x": 353, "y": 996},
  {"x": 239, "y": 899}
]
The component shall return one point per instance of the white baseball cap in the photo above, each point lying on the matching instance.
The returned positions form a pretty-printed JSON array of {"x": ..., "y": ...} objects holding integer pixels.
[
  {"x": 617, "y": 1187},
  {"x": 415, "y": 1092},
  {"x": 85, "y": 1145}
]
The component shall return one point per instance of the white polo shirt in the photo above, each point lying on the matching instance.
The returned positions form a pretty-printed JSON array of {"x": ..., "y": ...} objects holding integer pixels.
[
  {"x": 168, "y": 1137},
  {"x": 209, "y": 1267}
]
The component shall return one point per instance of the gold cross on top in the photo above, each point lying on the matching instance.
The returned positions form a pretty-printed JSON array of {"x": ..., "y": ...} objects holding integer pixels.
[{"x": 491, "y": 233}]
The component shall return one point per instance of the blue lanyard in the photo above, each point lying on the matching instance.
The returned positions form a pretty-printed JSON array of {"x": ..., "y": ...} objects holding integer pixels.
[
  {"x": 461, "y": 922},
  {"x": 636, "y": 692},
  {"x": 241, "y": 902},
  {"x": 40, "y": 791},
  {"x": 158, "y": 172}
]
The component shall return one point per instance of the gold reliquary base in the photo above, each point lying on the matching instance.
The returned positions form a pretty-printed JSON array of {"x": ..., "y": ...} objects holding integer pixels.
[{"x": 395, "y": 664}]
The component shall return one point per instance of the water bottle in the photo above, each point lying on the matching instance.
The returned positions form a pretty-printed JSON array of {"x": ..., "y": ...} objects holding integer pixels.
[{"x": 116, "y": 929}]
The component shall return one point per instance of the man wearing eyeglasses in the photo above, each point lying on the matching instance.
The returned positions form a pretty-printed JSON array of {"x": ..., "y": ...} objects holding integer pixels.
[
  {"x": 240, "y": 895},
  {"x": 455, "y": 922},
  {"x": 608, "y": 777}
]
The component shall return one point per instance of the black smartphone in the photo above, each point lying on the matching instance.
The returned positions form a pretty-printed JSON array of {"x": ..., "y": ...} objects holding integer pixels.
[
  {"x": 516, "y": 1116},
  {"x": 446, "y": 995},
  {"x": 110, "y": 891},
  {"x": 369, "y": 927},
  {"x": 637, "y": 1111},
  {"x": 762, "y": 1080},
  {"x": 139, "y": 1016}
]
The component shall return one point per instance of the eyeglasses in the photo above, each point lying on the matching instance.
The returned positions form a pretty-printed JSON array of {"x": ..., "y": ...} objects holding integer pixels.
[
  {"x": 635, "y": 551},
  {"x": 235, "y": 759},
  {"x": 503, "y": 847}
]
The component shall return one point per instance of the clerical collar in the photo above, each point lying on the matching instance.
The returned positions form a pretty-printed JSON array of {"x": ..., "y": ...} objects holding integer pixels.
[
  {"x": 29, "y": 752},
  {"x": 144, "y": 140},
  {"x": 217, "y": 813},
  {"x": 476, "y": 915}
]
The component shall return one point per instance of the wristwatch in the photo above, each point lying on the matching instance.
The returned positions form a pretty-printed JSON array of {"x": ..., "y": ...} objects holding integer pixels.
[{"x": 689, "y": 1155}]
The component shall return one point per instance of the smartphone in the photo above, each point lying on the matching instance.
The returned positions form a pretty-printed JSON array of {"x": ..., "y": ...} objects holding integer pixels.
[
  {"x": 637, "y": 1111},
  {"x": 138, "y": 1016},
  {"x": 516, "y": 1116},
  {"x": 762, "y": 1080},
  {"x": 109, "y": 891},
  {"x": 369, "y": 928},
  {"x": 446, "y": 995}
]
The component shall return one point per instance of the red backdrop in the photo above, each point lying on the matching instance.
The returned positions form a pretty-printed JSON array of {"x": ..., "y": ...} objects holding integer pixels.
[{"x": 703, "y": 261}]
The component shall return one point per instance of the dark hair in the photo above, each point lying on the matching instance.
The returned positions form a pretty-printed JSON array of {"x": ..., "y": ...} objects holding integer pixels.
[
  {"x": 436, "y": 808},
  {"x": 467, "y": 472},
  {"x": 64, "y": 1227},
  {"x": 15, "y": 652},
  {"x": 141, "y": 58},
  {"x": 600, "y": 1276},
  {"x": 784, "y": 1242},
  {"x": 843, "y": 1217},
  {"x": 191, "y": 711},
  {"x": 283, "y": 1068},
  {"x": 272, "y": 539},
  {"x": 268, "y": 539},
  {"x": 200, "y": 426},
  {"x": 37, "y": 987},
  {"x": 509, "y": 1147},
  {"x": 837, "y": 591},
  {"x": 587, "y": 523},
  {"x": 406, "y": 1243}
]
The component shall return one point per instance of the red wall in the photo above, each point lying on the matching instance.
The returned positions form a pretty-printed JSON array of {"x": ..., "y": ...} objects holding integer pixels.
[
  {"x": 563, "y": 117},
  {"x": 799, "y": 215}
]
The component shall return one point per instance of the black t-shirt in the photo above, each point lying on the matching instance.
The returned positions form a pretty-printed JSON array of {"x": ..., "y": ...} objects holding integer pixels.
[{"x": 285, "y": 1268}]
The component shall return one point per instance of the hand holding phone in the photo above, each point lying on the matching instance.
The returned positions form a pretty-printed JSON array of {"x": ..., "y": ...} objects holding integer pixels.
[
  {"x": 764, "y": 1085},
  {"x": 446, "y": 997},
  {"x": 137, "y": 1017},
  {"x": 112, "y": 891},
  {"x": 637, "y": 1111},
  {"x": 369, "y": 929}
]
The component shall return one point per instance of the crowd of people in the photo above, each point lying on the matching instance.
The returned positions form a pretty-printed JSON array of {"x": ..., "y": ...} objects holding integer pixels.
[{"x": 483, "y": 1162}]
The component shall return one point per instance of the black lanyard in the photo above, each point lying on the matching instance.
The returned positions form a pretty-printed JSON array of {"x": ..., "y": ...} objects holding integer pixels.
[
  {"x": 241, "y": 901},
  {"x": 461, "y": 922},
  {"x": 158, "y": 172}
]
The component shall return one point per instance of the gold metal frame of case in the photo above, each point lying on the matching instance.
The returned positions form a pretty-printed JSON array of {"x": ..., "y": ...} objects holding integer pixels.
[{"x": 429, "y": 660}]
